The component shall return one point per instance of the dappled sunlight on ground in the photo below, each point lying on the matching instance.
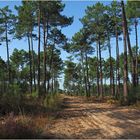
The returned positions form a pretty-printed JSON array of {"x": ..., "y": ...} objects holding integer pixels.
[{"x": 80, "y": 119}]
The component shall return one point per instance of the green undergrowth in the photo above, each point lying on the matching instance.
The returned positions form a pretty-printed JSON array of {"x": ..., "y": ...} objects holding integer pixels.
[
  {"x": 53, "y": 102},
  {"x": 26, "y": 116},
  {"x": 29, "y": 103}
]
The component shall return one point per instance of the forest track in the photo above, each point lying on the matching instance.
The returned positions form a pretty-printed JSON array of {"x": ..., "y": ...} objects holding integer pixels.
[{"x": 81, "y": 119}]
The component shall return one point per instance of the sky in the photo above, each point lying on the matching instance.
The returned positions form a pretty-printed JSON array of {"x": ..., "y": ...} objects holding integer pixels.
[{"x": 72, "y": 8}]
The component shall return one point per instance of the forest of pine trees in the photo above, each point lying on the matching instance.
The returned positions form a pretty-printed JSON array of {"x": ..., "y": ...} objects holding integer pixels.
[
  {"x": 92, "y": 75},
  {"x": 36, "y": 72},
  {"x": 41, "y": 22}
]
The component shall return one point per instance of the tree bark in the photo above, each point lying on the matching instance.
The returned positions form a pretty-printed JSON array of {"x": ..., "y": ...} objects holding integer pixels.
[
  {"x": 52, "y": 84},
  {"x": 30, "y": 61},
  {"x": 133, "y": 62},
  {"x": 87, "y": 75},
  {"x": 101, "y": 73},
  {"x": 111, "y": 69},
  {"x": 85, "y": 80},
  {"x": 97, "y": 71},
  {"x": 39, "y": 14},
  {"x": 50, "y": 69},
  {"x": 136, "y": 34},
  {"x": 8, "y": 60},
  {"x": 33, "y": 62},
  {"x": 117, "y": 63},
  {"x": 125, "y": 88},
  {"x": 44, "y": 39}
]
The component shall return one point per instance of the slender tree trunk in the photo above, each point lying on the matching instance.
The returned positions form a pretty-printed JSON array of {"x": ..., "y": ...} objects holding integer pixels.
[
  {"x": 44, "y": 39},
  {"x": 101, "y": 73},
  {"x": 85, "y": 80},
  {"x": 30, "y": 60},
  {"x": 52, "y": 84},
  {"x": 50, "y": 65},
  {"x": 48, "y": 84},
  {"x": 8, "y": 60},
  {"x": 87, "y": 75},
  {"x": 113, "y": 84},
  {"x": 136, "y": 34},
  {"x": 133, "y": 63},
  {"x": 45, "y": 58},
  {"x": 39, "y": 14},
  {"x": 112, "y": 90},
  {"x": 105, "y": 85},
  {"x": 81, "y": 83},
  {"x": 55, "y": 85},
  {"x": 51, "y": 60},
  {"x": 97, "y": 71},
  {"x": 117, "y": 63},
  {"x": 125, "y": 88},
  {"x": 33, "y": 62}
]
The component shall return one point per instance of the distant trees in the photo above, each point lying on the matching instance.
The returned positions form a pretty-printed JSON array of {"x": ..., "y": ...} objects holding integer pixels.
[
  {"x": 102, "y": 24},
  {"x": 81, "y": 47},
  {"x": 97, "y": 14},
  {"x": 49, "y": 20},
  {"x": 49, "y": 17},
  {"x": 88, "y": 73},
  {"x": 70, "y": 76}
]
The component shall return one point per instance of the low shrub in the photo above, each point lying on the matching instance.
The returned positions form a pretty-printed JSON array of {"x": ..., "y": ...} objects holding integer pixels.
[
  {"x": 14, "y": 89},
  {"x": 33, "y": 95},
  {"x": 19, "y": 128},
  {"x": 52, "y": 101},
  {"x": 10, "y": 103},
  {"x": 130, "y": 99}
]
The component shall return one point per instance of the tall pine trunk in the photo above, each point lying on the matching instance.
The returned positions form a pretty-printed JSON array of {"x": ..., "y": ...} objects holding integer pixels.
[
  {"x": 111, "y": 69},
  {"x": 52, "y": 85},
  {"x": 30, "y": 61},
  {"x": 97, "y": 71},
  {"x": 8, "y": 60},
  {"x": 39, "y": 15},
  {"x": 117, "y": 63},
  {"x": 48, "y": 84},
  {"x": 133, "y": 62},
  {"x": 87, "y": 75},
  {"x": 44, "y": 39},
  {"x": 84, "y": 74},
  {"x": 33, "y": 62},
  {"x": 136, "y": 34},
  {"x": 51, "y": 62},
  {"x": 125, "y": 88},
  {"x": 101, "y": 73}
]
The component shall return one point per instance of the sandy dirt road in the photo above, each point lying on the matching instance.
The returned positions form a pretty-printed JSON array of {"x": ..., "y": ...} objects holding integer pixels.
[{"x": 80, "y": 119}]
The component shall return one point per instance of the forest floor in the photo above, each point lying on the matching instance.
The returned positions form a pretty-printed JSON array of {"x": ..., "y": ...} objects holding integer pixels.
[{"x": 79, "y": 118}]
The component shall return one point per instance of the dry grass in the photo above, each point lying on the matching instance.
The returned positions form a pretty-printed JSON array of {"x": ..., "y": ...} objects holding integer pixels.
[
  {"x": 29, "y": 119},
  {"x": 19, "y": 127}
]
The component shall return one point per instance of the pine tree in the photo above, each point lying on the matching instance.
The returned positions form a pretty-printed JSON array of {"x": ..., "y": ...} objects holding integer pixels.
[{"x": 7, "y": 23}]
